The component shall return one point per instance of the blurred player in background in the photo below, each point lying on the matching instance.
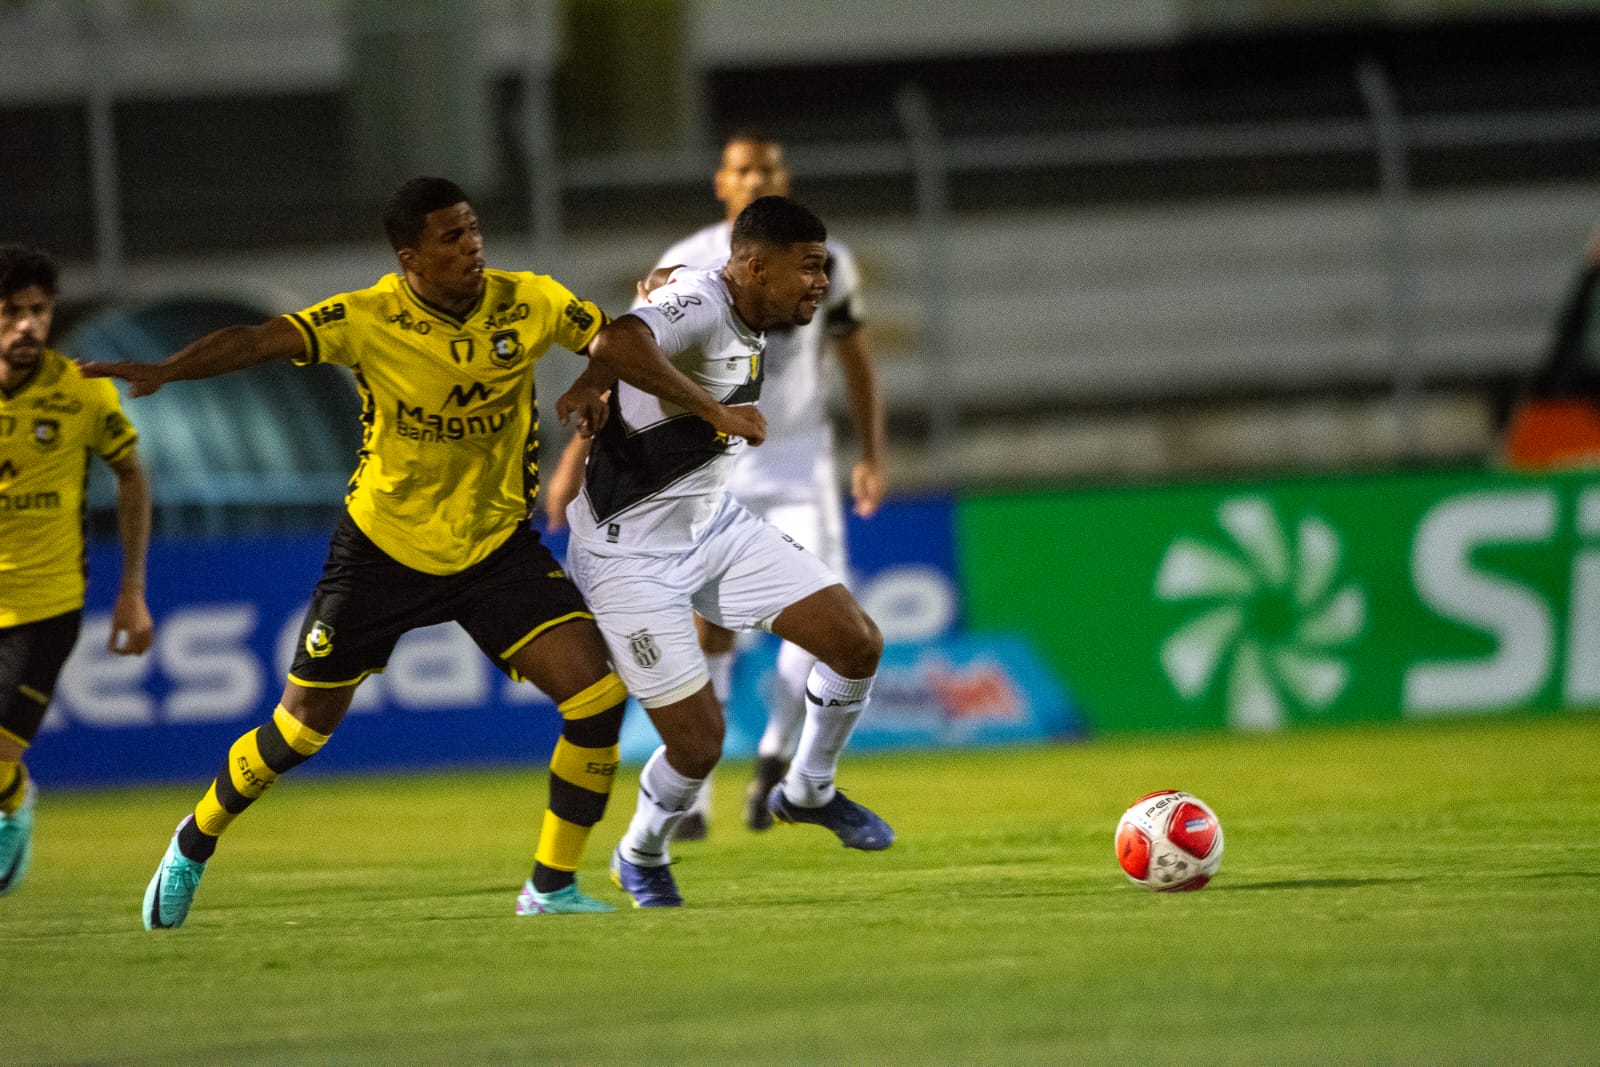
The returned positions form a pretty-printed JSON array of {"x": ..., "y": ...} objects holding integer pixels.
[
  {"x": 670, "y": 398},
  {"x": 51, "y": 419},
  {"x": 791, "y": 480},
  {"x": 1556, "y": 422},
  {"x": 436, "y": 524}
]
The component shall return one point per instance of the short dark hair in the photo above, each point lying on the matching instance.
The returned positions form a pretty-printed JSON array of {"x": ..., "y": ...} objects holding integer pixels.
[
  {"x": 405, "y": 216},
  {"x": 751, "y": 135},
  {"x": 22, "y": 267},
  {"x": 777, "y": 221}
]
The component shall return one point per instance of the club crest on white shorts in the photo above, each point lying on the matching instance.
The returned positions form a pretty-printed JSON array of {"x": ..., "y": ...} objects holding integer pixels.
[{"x": 644, "y": 648}]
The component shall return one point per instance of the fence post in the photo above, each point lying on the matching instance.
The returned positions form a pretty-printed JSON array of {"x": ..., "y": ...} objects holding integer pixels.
[
  {"x": 933, "y": 215},
  {"x": 1388, "y": 133},
  {"x": 546, "y": 223},
  {"x": 99, "y": 100}
]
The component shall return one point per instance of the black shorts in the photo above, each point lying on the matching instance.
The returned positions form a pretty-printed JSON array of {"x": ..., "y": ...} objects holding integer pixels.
[
  {"x": 31, "y": 657},
  {"x": 366, "y": 600}
]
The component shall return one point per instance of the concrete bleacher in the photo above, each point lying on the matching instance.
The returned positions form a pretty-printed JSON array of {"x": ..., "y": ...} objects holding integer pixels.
[
  {"x": 1176, "y": 338},
  {"x": 1230, "y": 336},
  {"x": 1220, "y": 336},
  {"x": 1134, "y": 303}
]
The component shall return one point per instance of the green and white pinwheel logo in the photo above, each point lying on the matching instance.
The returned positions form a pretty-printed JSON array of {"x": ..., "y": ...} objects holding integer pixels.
[{"x": 1270, "y": 619}]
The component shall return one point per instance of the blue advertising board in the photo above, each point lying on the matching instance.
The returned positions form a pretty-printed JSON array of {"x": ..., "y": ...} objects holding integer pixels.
[
  {"x": 937, "y": 686},
  {"x": 228, "y": 613},
  {"x": 960, "y": 691}
]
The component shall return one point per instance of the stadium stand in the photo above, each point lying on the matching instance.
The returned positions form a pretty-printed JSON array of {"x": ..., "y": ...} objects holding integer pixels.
[
  {"x": 1166, "y": 255},
  {"x": 250, "y": 453}
]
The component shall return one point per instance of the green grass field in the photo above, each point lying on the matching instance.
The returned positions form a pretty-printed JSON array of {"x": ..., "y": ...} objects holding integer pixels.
[{"x": 1427, "y": 894}]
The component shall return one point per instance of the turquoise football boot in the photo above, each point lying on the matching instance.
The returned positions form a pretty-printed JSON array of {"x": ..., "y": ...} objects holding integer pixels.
[
  {"x": 568, "y": 900},
  {"x": 16, "y": 840},
  {"x": 171, "y": 892}
]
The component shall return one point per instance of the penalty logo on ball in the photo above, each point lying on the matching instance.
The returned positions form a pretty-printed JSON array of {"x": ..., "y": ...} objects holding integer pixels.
[{"x": 1169, "y": 841}]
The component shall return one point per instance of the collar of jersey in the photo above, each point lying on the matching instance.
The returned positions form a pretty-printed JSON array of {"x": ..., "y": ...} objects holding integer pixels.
[
  {"x": 40, "y": 373},
  {"x": 435, "y": 310},
  {"x": 746, "y": 332}
]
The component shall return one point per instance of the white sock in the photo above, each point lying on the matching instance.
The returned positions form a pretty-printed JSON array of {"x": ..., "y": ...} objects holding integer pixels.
[
  {"x": 833, "y": 706},
  {"x": 787, "y": 712},
  {"x": 701, "y": 805},
  {"x": 664, "y": 796},
  {"x": 720, "y": 664}
]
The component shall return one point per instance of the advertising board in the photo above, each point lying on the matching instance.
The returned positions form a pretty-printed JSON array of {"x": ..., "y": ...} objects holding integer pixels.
[{"x": 1258, "y": 606}]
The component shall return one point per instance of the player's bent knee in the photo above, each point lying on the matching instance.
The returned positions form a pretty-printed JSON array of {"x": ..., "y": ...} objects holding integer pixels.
[
  {"x": 858, "y": 649},
  {"x": 318, "y": 708},
  {"x": 592, "y": 718},
  {"x": 871, "y": 640},
  {"x": 593, "y": 699},
  {"x": 694, "y": 760},
  {"x": 690, "y": 722},
  {"x": 692, "y": 751}
]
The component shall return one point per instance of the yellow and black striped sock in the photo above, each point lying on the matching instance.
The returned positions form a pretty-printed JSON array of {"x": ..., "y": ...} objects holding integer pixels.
[
  {"x": 13, "y": 785},
  {"x": 254, "y": 762},
  {"x": 19, "y": 730},
  {"x": 581, "y": 772}
]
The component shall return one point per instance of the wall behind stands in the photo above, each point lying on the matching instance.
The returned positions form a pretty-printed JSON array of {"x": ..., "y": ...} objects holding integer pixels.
[{"x": 738, "y": 33}]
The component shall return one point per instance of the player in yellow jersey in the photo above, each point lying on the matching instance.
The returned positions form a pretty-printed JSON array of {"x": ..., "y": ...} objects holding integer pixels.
[
  {"x": 436, "y": 525},
  {"x": 51, "y": 420}
]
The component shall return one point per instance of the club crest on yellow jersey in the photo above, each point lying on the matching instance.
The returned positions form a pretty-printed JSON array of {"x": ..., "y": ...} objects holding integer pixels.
[{"x": 505, "y": 349}]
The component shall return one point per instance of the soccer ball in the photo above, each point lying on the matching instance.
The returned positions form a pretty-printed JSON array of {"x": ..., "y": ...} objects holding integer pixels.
[{"x": 1169, "y": 841}]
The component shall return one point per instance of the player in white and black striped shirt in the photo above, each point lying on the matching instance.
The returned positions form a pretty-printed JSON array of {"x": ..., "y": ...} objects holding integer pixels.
[{"x": 656, "y": 536}]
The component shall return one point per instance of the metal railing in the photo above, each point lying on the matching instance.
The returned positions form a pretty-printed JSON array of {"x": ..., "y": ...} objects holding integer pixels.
[
  {"x": 931, "y": 159},
  {"x": 1385, "y": 136}
]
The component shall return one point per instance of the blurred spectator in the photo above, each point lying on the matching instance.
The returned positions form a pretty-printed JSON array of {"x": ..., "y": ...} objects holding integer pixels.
[{"x": 1557, "y": 423}]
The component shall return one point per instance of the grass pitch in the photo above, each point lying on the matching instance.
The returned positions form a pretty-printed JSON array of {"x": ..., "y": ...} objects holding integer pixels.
[{"x": 1424, "y": 894}]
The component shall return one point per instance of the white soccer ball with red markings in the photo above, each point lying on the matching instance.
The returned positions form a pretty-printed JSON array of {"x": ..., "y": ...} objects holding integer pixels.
[{"x": 1169, "y": 841}]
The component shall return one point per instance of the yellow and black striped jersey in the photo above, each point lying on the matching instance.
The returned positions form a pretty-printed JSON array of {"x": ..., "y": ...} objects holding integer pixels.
[
  {"x": 48, "y": 428},
  {"x": 449, "y": 462}
]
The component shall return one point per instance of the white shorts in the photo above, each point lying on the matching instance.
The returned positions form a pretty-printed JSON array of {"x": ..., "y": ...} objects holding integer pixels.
[
  {"x": 809, "y": 509},
  {"x": 817, "y": 526},
  {"x": 741, "y": 575}
]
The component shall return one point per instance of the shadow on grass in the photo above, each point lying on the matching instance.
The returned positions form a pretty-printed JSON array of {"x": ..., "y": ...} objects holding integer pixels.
[{"x": 1316, "y": 883}]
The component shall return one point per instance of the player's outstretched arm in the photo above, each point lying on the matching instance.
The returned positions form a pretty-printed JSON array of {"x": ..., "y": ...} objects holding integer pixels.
[
  {"x": 653, "y": 281},
  {"x": 867, "y": 479},
  {"x": 561, "y": 488},
  {"x": 627, "y": 349},
  {"x": 221, "y": 352},
  {"x": 587, "y": 399},
  {"x": 132, "y": 628}
]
